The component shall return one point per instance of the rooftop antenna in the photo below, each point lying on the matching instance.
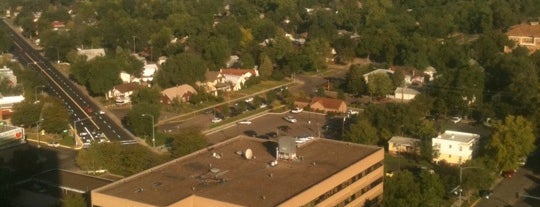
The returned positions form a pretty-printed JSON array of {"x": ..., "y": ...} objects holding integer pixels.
[{"x": 248, "y": 154}]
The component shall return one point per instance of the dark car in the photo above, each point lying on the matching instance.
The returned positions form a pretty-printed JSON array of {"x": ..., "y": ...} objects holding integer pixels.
[
  {"x": 485, "y": 193},
  {"x": 508, "y": 173}
]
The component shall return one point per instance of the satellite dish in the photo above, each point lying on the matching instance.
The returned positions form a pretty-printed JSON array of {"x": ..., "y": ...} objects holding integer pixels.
[{"x": 248, "y": 154}]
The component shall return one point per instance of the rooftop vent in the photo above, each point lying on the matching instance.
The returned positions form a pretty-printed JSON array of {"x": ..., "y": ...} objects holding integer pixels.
[{"x": 248, "y": 154}]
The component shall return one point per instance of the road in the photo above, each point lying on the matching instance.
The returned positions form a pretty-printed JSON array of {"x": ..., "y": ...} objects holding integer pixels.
[
  {"x": 85, "y": 114},
  {"x": 510, "y": 191}
]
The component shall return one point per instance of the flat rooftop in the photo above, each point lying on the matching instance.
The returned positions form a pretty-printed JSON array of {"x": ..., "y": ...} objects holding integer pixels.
[
  {"x": 458, "y": 136},
  {"x": 71, "y": 180},
  {"x": 234, "y": 179}
]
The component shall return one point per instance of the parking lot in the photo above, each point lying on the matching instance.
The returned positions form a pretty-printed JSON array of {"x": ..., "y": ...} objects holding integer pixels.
[{"x": 272, "y": 125}]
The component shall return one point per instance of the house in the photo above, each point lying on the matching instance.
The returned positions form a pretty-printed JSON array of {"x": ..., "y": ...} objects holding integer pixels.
[
  {"x": 148, "y": 72},
  {"x": 376, "y": 71},
  {"x": 91, "y": 53},
  {"x": 56, "y": 25},
  {"x": 526, "y": 35},
  {"x": 404, "y": 94},
  {"x": 328, "y": 105},
  {"x": 430, "y": 72},
  {"x": 122, "y": 93},
  {"x": 7, "y": 73},
  {"x": 454, "y": 147},
  {"x": 243, "y": 171},
  {"x": 182, "y": 93},
  {"x": 403, "y": 145},
  {"x": 237, "y": 77},
  {"x": 213, "y": 83}
]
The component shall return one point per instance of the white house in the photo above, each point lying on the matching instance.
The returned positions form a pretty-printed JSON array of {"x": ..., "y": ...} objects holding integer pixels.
[
  {"x": 403, "y": 145},
  {"x": 122, "y": 93},
  {"x": 91, "y": 53},
  {"x": 213, "y": 83},
  {"x": 404, "y": 94},
  {"x": 237, "y": 77},
  {"x": 454, "y": 147},
  {"x": 148, "y": 72}
]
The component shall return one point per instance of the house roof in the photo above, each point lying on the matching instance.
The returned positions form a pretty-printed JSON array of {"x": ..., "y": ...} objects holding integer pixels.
[
  {"x": 211, "y": 75},
  {"x": 403, "y": 140},
  {"x": 524, "y": 29},
  {"x": 91, "y": 53},
  {"x": 328, "y": 103},
  {"x": 125, "y": 87},
  {"x": 178, "y": 91},
  {"x": 406, "y": 91},
  {"x": 457, "y": 136},
  {"x": 221, "y": 173},
  {"x": 238, "y": 72}
]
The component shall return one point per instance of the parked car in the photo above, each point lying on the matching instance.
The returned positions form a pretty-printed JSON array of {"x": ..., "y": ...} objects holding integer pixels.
[
  {"x": 352, "y": 112},
  {"x": 101, "y": 112},
  {"x": 508, "y": 173},
  {"x": 216, "y": 120},
  {"x": 455, "y": 119},
  {"x": 250, "y": 99},
  {"x": 263, "y": 105},
  {"x": 245, "y": 122},
  {"x": 522, "y": 161},
  {"x": 485, "y": 193},
  {"x": 290, "y": 119},
  {"x": 297, "y": 110}
]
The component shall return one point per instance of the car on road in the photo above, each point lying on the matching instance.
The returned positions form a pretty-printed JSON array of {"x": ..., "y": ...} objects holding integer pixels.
[
  {"x": 216, "y": 120},
  {"x": 245, "y": 122},
  {"x": 250, "y": 99},
  {"x": 54, "y": 144},
  {"x": 352, "y": 112},
  {"x": 101, "y": 112},
  {"x": 297, "y": 110},
  {"x": 485, "y": 193},
  {"x": 508, "y": 173},
  {"x": 290, "y": 119},
  {"x": 456, "y": 119},
  {"x": 263, "y": 105}
]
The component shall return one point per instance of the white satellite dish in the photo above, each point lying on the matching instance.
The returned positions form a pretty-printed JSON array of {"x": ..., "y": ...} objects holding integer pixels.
[{"x": 248, "y": 154}]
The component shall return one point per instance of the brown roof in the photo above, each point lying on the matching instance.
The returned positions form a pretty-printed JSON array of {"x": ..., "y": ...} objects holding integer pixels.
[
  {"x": 125, "y": 87},
  {"x": 211, "y": 75},
  {"x": 328, "y": 103},
  {"x": 234, "y": 179},
  {"x": 178, "y": 91},
  {"x": 237, "y": 72},
  {"x": 527, "y": 30},
  {"x": 67, "y": 179}
]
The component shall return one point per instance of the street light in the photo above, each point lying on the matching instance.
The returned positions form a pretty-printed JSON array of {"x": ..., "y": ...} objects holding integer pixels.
[
  {"x": 37, "y": 130},
  {"x": 153, "y": 133},
  {"x": 460, "y": 179},
  {"x": 35, "y": 92}
]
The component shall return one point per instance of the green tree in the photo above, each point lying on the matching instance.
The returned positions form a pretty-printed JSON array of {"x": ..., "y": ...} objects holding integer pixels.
[
  {"x": 141, "y": 125},
  {"x": 74, "y": 200},
  {"x": 25, "y": 113},
  {"x": 5, "y": 42},
  {"x": 380, "y": 85},
  {"x": 362, "y": 132},
  {"x": 402, "y": 189},
  {"x": 266, "y": 67},
  {"x": 187, "y": 142},
  {"x": 512, "y": 139},
  {"x": 55, "y": 116},
  {"x": 354, "y": 80},
  {"x": 186, "y": 68}
]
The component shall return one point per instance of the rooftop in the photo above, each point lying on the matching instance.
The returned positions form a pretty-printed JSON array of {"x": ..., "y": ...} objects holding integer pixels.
[
  {"x": 221, "y": 173},
  {"x": 71, "y": 180},
  {"x": 528, "y": 30},
  {"x": 328, "y": 103},
  {"x": 458, "y": 136},
  {"x": 403, "y": 140}
]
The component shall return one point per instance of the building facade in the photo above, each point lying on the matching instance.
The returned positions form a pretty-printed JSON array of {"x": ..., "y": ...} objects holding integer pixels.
[
  {"x": 244, "y": 171},
  {"x": 454, "y": 147}
]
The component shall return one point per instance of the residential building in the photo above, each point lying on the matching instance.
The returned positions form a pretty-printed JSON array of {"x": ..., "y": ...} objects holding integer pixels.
[
  {"x": 243, "y": 171},
  {"x": 91, "y": 53},
  {"x": 526, "y": 35},
  {"x": 213, "y": 83},
  {"x": 122, "y": 93},
  {"x": 403, "y": 145},
  {"x": 376, "y": 71},
  {"x": 237, "y": 77},
  {"x": 454, "y": 147},
  {"x": 149, "y": 71},
  {"x": 182, "y": 93},
  {"x": 326, "y": 105},
  {"x": 404, "y": 94},
  {"x": 7, "y": 73}
]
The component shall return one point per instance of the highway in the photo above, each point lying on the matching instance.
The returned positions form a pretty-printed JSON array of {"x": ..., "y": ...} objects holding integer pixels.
[{"x": 85, "y": 114}]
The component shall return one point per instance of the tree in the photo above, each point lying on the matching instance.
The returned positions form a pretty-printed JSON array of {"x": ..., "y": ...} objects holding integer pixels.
[
  {"x": 55, "y": 116},
  {"x": 362, "y": 132},
  {"x": 187, "y": 142},
  {"x": 5, "y": 42},
  {"x": 402, "y": 189},
  {"x": 266, "y": 66},
  {"x": 136, "y": 123},
  {"x": 354, "y": 80},
  {"x": 25, "y": 114},
  {"x": 74, "y": 200},
  {"x": 379, "y": 85},
  {"x": 186, "y": 68},
  {"x": 512, "y": 139}
]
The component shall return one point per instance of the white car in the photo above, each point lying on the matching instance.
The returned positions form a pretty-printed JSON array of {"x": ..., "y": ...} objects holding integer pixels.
[
  {"x": 245, "y": 122},
  {"x": 101, "y": 112},
  {"x": 263, "y": 105},
  {"x": 290, "y": 119},
  {"x": 250, "y": 99},
  {"x": 455, "y": 119},
  {"x": 216, "y": 120},
  {"x": 297, "y": 110},
  {"x": 352, "y": 112}
]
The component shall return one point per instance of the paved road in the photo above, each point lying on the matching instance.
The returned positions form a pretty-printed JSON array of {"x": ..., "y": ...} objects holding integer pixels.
[
  {"x": 83, "y": 110},
  {"x": 504, "y": 194}
]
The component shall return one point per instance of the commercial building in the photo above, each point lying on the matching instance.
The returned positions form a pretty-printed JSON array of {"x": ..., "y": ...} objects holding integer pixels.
[
  {"x": 244, "y": 171},
  {"x": 454, "y": 147}
]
